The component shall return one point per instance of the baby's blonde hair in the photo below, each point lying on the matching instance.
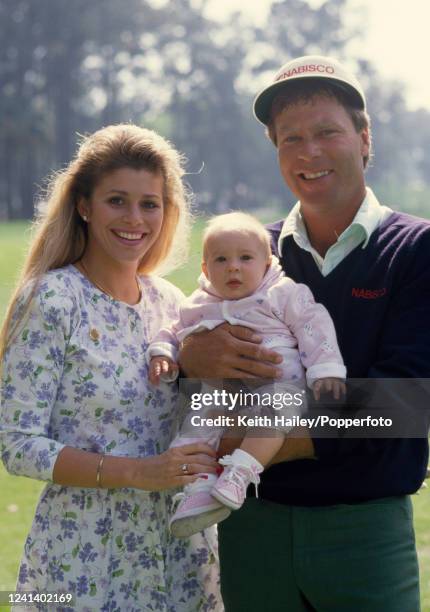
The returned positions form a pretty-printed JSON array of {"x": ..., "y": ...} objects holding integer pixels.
[{"x": 240, "y": 222}]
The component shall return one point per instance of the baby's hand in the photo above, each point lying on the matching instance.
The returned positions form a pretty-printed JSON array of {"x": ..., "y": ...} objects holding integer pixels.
[
  {"x": 162, "y": 368},
  {"x": 325, "y": 385}
]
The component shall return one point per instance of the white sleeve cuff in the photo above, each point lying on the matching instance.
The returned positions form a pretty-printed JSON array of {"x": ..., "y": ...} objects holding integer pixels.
[{"x": 162, "y": 349}]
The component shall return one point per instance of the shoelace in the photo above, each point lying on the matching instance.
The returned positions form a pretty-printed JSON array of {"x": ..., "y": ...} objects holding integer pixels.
[{"x": 237, "y": 477}]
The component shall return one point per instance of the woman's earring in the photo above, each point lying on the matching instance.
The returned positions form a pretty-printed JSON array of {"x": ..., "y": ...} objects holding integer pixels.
[{"x": 85, "y": 218}]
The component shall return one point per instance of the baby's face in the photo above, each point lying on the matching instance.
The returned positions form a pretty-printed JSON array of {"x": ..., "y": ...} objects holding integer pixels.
[{"x": 235, "y": 263}]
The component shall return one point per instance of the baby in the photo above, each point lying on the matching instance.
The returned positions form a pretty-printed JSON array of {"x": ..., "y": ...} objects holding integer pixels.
[{"x": 243, "y": 284}]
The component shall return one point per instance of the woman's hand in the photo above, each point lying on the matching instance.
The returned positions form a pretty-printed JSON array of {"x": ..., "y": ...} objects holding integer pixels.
[
  {"x": 228, "y": 351},
  {"x": 175, "y": 467}
]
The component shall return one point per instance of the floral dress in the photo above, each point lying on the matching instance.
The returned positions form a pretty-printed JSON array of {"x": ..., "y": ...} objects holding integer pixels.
[{"x": 76, "y": 375}]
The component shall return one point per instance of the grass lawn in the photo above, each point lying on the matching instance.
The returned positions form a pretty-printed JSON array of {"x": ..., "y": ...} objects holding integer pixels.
[
  {"x": 19, "y": 495},
  {"x": 13, "y": 240}
]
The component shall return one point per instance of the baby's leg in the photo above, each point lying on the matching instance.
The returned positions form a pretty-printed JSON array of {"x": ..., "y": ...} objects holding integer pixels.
[
  {"x": 287, "y": 402},
  {"x": 262, "y": 448},
  {"x": 245, "y": 464}
]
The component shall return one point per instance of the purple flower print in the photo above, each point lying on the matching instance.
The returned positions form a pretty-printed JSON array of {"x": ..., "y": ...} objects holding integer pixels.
[
  {"x": 69, "y": 425},
  {"x": 159, "y": 599},
  {"x": 61, "y": 396},
  {"x": 147, "y": 449},
  {"x": 108, "y": 547},
  {"x": 25, "y": 369},
  {"x": 35, "y": 340},
  {"x": 53, "y": 317},
  {"x": 147, "y": 560},
  {"x": 123, "y": 510},
  {"x": 127, "y": 589},
  {"x": 81, "y": 585},
  {"x": 23, "y": 573},
  {"x": 79, "y": 355},
  {"x": 42, "y": 461},
  {"x": 179, "y": 553},
  {"x": 110, "y": 416},
  {"x": 55, "y": 570},
  {"x": 136, "y": 425},
  {"x": 8, "y": 391},
  {"x": 44, "y": 393},
  {"x": 128, "y": 391},
  {"x": 85, "y": 389},
  {"x": 68, "y": 527},
  {"x": 113, "y": 565},
  {"x": 78, "y": 500},
  {"x": 107, "y": 344},
  {"x": 110, "y": 317},
  {"x": 27, "y": 419},
  {"x": 110, "y": 605},
  {"x": 104, "y": 525},
  {"x": 200, "y": 557},
  {"x": 166, "y": 427},
  {"x": 108, "y": 368},
  {"x": 191, "y": 585},
  {"x": 42, "y": 521},
  {"x": 132, "y": 352},
  {"x": 88, "y": 554},
  {"x": 56, "y": 355}
]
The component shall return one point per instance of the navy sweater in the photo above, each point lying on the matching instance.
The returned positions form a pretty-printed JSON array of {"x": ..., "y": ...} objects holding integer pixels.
[{"x": 379, "y": 300}]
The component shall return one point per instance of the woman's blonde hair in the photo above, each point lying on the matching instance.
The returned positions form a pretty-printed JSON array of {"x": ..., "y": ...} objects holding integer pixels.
[
  {"x": 239, "y": 222},
  {"x": 60, "y": 234}
]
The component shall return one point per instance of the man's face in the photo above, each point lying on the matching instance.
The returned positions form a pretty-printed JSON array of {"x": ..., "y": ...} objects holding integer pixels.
[{"x": 321, "y": 154}]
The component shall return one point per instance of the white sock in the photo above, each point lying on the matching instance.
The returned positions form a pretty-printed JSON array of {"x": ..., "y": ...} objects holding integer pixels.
[{"x": 244, "y": 458}]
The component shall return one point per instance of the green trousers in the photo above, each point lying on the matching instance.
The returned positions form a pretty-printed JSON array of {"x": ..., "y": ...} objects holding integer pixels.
[{"x": 345, "y": 558}]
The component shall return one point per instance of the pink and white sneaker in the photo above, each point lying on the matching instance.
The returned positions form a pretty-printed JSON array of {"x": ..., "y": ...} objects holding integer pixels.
[
  {"x": 197, "y": 509},
  {"x": 240, "y": 470}
]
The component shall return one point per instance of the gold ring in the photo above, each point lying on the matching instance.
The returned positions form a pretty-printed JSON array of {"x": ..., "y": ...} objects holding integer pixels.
[{"x": 184, "y": 468}]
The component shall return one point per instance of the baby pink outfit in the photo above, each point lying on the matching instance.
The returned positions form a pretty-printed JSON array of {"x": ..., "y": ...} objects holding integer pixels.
[{"x": 282, "y": 311}]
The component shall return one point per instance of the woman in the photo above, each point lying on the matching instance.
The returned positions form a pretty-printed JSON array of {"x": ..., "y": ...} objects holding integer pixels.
[{"x": 77, "y": 407}]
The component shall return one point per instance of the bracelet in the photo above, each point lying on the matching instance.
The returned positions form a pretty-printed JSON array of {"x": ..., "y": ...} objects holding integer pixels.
[{"x": 99, "y": 472}]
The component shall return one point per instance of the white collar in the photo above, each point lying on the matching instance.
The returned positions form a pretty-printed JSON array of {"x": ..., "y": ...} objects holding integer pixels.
[{"x": 368, "y": 217}]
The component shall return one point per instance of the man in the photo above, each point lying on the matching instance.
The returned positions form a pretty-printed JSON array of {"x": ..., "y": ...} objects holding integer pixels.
[{"x": 332, "y": 528}]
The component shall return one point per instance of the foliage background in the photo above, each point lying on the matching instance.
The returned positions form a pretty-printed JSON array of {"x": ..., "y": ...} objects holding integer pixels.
[{"x": 70, "y": 67}]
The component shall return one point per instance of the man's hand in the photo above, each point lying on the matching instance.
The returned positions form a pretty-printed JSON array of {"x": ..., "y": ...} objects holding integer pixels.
[
  {"x": 228, "y": 351},
  {"x": 162, "y": 368}
]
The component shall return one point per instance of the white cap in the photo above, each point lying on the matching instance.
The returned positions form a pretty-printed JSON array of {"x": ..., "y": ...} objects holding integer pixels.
[{"x": 308, "y": 67}]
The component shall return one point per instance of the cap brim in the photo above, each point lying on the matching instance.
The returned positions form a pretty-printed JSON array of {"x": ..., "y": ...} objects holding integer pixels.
[{"x": 263, "y": 101}]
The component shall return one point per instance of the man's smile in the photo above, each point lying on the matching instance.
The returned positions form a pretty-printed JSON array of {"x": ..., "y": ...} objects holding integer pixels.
[{"x": 312, "y": 176}]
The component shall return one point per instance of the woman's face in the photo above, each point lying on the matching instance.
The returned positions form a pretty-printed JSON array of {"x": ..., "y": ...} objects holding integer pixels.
[{"x": 125, "y": 214}]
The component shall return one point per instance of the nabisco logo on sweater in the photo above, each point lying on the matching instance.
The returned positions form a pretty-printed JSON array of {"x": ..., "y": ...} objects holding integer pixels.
[{"x": 368, "y": 294}]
